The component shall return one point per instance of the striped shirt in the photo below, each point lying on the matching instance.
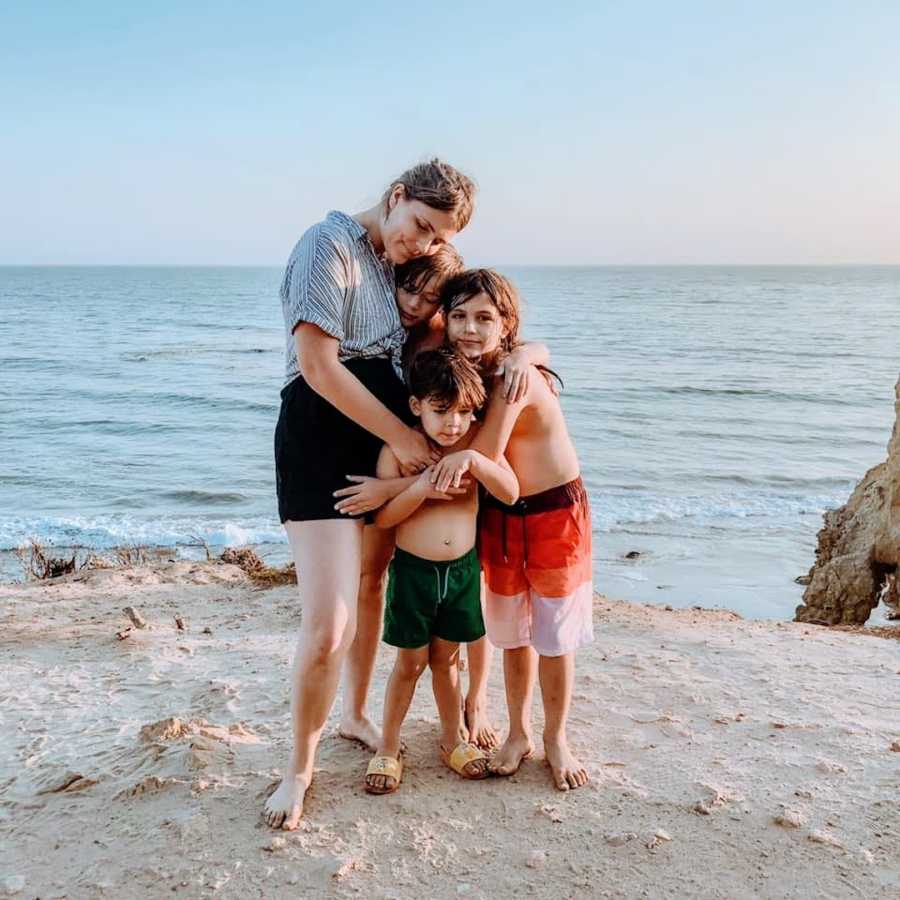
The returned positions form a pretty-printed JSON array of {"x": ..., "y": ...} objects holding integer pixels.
[{"x": 334, "y": 279}]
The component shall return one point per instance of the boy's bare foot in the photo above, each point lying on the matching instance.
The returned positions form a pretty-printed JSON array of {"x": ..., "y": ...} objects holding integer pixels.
[
  {"x": 285, "y": 807},
  {"x": 509, "y": 757},
  {"x": 568, "y": 772},
  {"x": 481, "y": 732},
  {"x": 363, "y": 730}
]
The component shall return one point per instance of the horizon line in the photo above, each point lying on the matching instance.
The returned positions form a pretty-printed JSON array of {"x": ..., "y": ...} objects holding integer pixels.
[{"x": 530, "y": 265}]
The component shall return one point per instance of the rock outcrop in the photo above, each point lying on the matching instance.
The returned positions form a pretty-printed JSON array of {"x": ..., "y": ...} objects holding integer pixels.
[{"x": 858, "y": 553}]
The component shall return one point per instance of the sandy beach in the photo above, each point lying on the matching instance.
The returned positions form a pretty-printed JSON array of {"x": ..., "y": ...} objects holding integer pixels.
[{"x": 729, "y": 758}]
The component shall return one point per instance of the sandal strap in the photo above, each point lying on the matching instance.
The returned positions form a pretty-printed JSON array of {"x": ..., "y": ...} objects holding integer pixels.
[
  {"x": 385, "y": 765},
  {"x": 464, "y": 753}
]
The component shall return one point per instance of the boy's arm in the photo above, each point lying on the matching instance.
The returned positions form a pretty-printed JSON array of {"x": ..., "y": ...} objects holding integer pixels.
[
  {"x": 402, "y": 506},
  {"x": 494, "y": 473},
  {"x": 501, "y": 417},
  {"x": 407, "y": 501},
  {"x": 516, "y": 368},
  {"x": 497, "y": 476}
]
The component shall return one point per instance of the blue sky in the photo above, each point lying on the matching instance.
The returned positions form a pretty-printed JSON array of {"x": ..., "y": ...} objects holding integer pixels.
[{"x": 598, "y": 132}]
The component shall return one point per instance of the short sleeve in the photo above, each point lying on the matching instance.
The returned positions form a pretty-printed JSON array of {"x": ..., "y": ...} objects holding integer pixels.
[{"x": 316, "y": 283}]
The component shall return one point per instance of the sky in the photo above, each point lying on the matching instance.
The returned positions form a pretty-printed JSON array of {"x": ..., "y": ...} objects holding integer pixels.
[{"x": 598, "y": 133}]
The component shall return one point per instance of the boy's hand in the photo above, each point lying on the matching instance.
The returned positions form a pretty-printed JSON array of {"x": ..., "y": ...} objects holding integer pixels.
[
  {"x": 515, "y": 370},
  {"x": 364, "y": 496},
  {"x": 448, "y": 473},
  {"x": 429, "y": 491}
]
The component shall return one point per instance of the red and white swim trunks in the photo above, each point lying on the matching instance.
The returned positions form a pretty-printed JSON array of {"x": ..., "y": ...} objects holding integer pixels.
[{"x": 536, "y": 557}]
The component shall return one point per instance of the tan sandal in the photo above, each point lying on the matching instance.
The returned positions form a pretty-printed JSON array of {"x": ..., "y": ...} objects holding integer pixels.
[
  {"x": 460, "y": 757},
  {"x": 387, "y": 766}
]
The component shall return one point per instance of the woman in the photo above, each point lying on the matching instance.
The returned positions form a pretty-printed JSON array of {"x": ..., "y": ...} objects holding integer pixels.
[{"x": 342, "y": 400}]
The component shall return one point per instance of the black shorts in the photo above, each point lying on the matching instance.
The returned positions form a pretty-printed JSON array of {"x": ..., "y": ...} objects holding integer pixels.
[{"x": 317, "y": 447}]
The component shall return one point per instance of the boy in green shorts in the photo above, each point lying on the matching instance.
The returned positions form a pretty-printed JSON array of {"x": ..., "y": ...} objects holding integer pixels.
[{"x": 434, "y": 587}]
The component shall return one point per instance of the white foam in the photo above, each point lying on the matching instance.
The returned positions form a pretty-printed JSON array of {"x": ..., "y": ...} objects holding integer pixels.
[{"x": 106, "y": 531}]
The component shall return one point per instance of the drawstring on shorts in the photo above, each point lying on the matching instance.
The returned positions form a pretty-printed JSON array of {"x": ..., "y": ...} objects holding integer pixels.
[{"x": 441, "y": 596}]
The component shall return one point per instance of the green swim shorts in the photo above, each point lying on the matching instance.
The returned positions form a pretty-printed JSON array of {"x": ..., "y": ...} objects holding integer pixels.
[{"x": 428, "y": 598}]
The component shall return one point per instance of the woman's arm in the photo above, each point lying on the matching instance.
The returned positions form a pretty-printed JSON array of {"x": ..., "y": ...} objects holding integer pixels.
[
  {"x": 317, "y": 353},
  {"x": 368, "y": 493}
]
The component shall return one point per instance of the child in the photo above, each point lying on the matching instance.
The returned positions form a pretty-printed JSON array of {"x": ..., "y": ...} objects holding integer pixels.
[
  {"x": 434, "y": 588},
  {"x": 536, "y": 554},
  {"x": 418, "y": 286}
]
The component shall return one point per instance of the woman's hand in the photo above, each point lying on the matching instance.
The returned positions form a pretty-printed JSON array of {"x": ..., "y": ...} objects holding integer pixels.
[
  {"x": 414, "y": 453},
  {"x": 515, "y": 370},
  {"x": 363, "y": 496},
  {"x": 448, "y": 473}
]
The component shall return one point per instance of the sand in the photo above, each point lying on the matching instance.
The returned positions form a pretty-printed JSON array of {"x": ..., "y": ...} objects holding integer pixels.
[{"x": 730, "y": 758}]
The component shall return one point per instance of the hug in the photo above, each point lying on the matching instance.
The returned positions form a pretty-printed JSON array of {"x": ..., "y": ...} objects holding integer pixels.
[{"x": 406, "y": 377}]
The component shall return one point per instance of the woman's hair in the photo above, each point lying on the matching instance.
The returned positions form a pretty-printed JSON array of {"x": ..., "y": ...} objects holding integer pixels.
[
  {"x": 414, "y": 276},
  {"x": 438, "y": 185},
  {"x": 447, "y": 378},
  {"x": 504, "y": 296}
]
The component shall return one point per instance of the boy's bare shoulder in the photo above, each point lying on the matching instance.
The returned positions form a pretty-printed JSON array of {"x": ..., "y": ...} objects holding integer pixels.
[{"x": 387, "y": 465}]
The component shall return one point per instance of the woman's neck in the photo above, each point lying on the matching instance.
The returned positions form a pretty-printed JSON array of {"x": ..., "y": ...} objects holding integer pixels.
[{"x": 371, "y": 221}]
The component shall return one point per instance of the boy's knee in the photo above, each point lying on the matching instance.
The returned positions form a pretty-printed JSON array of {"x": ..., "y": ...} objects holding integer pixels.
[
  {"x": 443, "y": 664},
  {"x": 411, "y": 668}
]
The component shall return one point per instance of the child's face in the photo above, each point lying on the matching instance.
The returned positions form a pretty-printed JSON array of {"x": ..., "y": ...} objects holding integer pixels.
[
  {"x": 418, "y": 307},
  {"x": 474, "y": 328},
  {"x": 445, "y": 425}
]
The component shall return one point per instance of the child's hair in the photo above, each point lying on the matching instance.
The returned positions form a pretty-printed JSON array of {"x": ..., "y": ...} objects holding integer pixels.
[
  {"x": 414, "y": 275},
  {"x": 438, "y": 185},
  {"x": 504, "y": 296},
  {"x": 446, "y": 378}
]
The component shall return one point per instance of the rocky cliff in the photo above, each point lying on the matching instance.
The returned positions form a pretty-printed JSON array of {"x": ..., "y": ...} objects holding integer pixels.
[{"x": 859, "y": 548}]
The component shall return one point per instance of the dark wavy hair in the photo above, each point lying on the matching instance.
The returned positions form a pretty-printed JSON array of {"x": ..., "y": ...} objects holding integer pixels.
[
  {"x": 447, "y": 378},
  {"x": 415, "y": 275},
  {"x": 504, "y": 296}
]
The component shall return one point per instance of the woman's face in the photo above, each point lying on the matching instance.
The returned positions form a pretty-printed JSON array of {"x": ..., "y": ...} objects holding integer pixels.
[
  {"x": 412, "y": 228},
  {"x": 474, "y": 328},
  {"x": 417, "y": 307}
]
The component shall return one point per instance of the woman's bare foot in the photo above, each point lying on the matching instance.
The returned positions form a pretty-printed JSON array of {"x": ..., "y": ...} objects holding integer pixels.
[
  {"x": 285, "y": 807},
  {"x": 362, "y": 730},
  {"x": 509, "y": 757},
  {"x": 568, "y": 772},
  {"x": 481, "y": 732}
]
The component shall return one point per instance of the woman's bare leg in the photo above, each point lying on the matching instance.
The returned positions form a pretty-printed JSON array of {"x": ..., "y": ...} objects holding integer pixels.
[
  {"x": 377, "y": 549},
  {"x": 327, "y": 555},
  {"x": 481, "y": 732}
]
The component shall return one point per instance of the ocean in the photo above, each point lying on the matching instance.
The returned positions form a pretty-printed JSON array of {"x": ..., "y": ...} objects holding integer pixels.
[{"x": 717, "y": 411}]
